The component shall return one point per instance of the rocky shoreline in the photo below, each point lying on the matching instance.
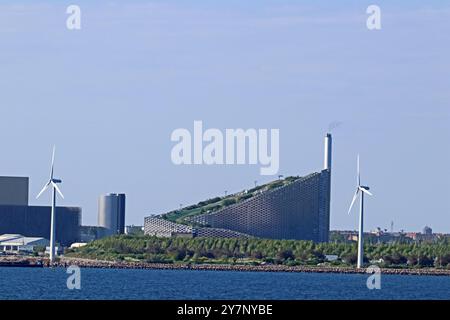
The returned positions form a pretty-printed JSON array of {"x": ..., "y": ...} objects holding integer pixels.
[{"x": 102, "y": 264}]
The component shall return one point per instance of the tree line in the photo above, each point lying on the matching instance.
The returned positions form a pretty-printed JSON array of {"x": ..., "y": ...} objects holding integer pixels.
[{"x": 257, "y": 251}]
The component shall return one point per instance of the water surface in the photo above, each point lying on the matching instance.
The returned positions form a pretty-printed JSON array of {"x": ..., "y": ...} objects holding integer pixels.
[{"x": 43, "y": 283}]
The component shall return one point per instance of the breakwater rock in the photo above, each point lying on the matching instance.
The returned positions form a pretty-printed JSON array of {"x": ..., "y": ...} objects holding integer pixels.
[
  {"x": 65, "y": 262},
  {"x": 87, "y": 263}
]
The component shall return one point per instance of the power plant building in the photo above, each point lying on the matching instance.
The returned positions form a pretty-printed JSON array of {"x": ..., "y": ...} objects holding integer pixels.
[
  {"x": 17, "y": 217},
  {"x": 14, "y": 191},
  {"x": 299, "y": 210},
  {"x": 111, "y": 213}
]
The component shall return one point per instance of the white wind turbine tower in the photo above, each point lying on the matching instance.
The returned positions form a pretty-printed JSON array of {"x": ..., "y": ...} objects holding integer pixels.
[
  {"x": 53, "y": 183},
  {"x": 364, "y": 190}
]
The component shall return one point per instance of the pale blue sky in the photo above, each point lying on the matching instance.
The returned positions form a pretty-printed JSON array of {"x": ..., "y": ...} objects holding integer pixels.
[{"x": 110, "y": 95}]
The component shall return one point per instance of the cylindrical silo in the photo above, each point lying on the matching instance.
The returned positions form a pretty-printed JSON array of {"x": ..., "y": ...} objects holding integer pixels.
[{"x": 111, "y": 213}]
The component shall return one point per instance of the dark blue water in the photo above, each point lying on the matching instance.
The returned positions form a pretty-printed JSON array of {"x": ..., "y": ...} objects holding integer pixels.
[{"x": 30, "y": 283}]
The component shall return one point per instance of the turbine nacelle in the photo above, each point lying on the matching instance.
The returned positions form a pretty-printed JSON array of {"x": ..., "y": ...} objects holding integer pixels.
[
  {"x": 52, "y": 181},
  {"x": 359, "y": 187},
  {"x": 365, "y": 190}
]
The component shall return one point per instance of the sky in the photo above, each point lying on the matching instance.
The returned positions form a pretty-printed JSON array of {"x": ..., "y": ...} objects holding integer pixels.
[{"x": 110, "y": 95}]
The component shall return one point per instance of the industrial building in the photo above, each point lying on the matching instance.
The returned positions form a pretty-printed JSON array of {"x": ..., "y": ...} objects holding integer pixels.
[
  {"x": 17, "y": 243},
  {"x": 134, "y": 230},
  {"x": 91, "y": 233},
  {"x": 297, "y": 210},
  {"x": 111, "y": 213},
  {"x": 17, "y": 217},
  {"x": 14, "y": 191}
]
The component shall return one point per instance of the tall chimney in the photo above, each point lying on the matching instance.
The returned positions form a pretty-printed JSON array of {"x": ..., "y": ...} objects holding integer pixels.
[{"x": 327, "y": 158}]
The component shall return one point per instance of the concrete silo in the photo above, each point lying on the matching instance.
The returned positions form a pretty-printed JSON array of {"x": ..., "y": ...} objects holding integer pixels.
[{"x": 111, "y": 213}]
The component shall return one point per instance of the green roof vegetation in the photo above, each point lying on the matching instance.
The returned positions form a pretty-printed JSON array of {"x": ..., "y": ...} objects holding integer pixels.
[{"x": 217, "y": 203}]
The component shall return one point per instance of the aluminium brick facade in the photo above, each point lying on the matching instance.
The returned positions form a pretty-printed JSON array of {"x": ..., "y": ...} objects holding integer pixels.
[{"x": 299, "y": 210}]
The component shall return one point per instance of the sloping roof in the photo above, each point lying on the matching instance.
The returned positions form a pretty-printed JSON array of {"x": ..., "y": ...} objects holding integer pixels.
[
  {"x": 18, "y": 239},
  {"x": 9, "y": 236},
  {"x": 219, "y": 203}
]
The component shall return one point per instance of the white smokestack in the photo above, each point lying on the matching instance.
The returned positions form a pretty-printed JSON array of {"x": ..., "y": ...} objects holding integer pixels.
[{"x": 327, "y": 158}]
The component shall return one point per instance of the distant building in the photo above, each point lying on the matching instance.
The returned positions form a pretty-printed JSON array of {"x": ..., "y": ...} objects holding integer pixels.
[
  {"x": 14, "y": 191},
  {"x": 331, "y": 257},
  {"x": 427, "y": 231},
  {"x": 413, "y": 235},
  {"x": 17, "y": 243},
  {"x": 91, "y": 233},
  {"x": 134, "y": 230},
  {"x": 380, "y": 236},
  {"x": 111, "y": 213},
  {"x": 59, "y": 250},
  {"x": 34, "y": 221},
  {"x": 78, "y": 245},
  {"x": 17, "y": 217},
  {"x": 426, "y": 235}
]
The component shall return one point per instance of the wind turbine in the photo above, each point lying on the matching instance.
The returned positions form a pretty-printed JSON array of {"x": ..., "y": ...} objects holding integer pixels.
[
  {"x": 363, "y": 190},
  {"x": 55, "y": 189}
]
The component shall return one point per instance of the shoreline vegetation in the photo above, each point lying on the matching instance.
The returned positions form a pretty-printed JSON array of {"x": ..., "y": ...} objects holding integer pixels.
[
  {"x": 263, "y": 255},
  {"x": 64, "y": 262}
]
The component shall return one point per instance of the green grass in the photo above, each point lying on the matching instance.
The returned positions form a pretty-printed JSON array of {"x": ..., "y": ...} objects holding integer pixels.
[{"x": 217, "y": 203}]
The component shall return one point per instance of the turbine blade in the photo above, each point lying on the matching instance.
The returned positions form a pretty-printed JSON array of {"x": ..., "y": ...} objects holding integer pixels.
[
  {"x": 358, "y": 180},
  {"x": 53, "y": 163},
  {"x": 366, "y": 191},
  {"x": 43, "y": 190},
  {"x": 57, "y": 189},
  {"x": 353, "y": 201}
]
